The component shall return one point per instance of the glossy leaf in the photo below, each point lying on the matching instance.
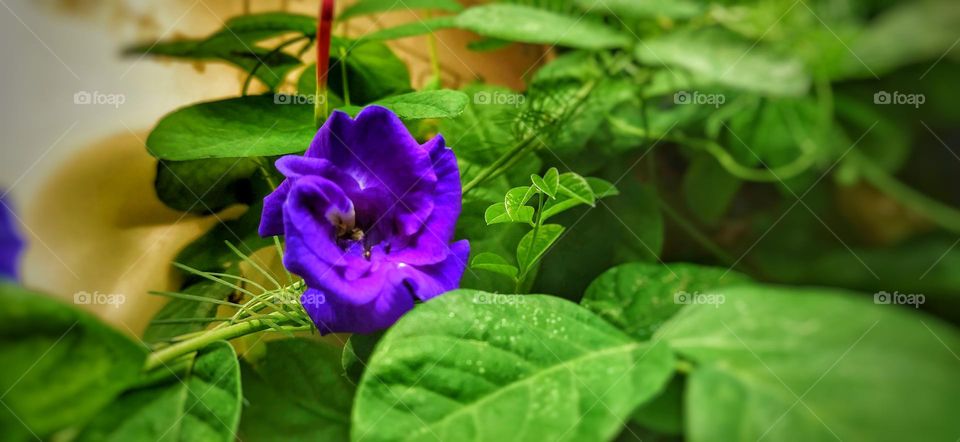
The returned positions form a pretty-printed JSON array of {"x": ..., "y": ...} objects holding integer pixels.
[
  {"x": 464, "y": 367},
  {"x": 639, "y": 297},
  {"x": 55, "y": 355},
  {"x": 202, "y": 405},
  {"x": 535, "y": 244},
  {"x": 814, "y": 364},
  {"x": 494, "y": 263},
  {"x": 528, "y": 24}
]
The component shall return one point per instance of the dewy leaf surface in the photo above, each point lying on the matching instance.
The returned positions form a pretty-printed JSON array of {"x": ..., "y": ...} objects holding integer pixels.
[{"x": 476, "y": 366}]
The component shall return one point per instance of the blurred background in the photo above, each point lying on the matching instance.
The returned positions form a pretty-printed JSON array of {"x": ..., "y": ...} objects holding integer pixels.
[{"x": 79, "y": 174}]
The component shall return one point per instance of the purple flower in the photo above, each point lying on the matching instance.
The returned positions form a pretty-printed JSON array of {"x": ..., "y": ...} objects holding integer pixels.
[
  {"x": 368, "y": 216},
  {"x": 10, "y": 243}
]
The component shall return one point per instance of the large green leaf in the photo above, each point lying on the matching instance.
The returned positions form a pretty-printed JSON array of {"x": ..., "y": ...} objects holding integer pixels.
[
  {"x": 641, "y": 9},
  {"x": 237, "y": 44},
  {"x": 426, "y": 104},
  {"x": 639, "y": 297},
  {"x": 713, "y": 56},
  {"x": 205, "y": 186},
  {"x": 528, "y": 24},
  {"x": 799, "y": 364},
  {"x": 373, "y": 71},
  {"x": 202, "y": 405},
  {"x": 250, "y": 126},
  {"x": 540, "y": 368},
  {"x": 296, "y": 392},
  {"x": 165, "y": 326},
  {"x": 365, "y": 7},
  {"x": 60, "y": 365}
]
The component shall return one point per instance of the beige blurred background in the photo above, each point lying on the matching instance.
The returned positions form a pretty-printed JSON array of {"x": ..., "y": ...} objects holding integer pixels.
[{"x": 79, "y": 175}]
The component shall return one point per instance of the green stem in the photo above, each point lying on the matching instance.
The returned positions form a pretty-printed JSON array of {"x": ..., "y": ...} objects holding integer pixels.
[
  {"x": 504, "y": 160},
  {"x": 163, "y": 356},
  {"x": 941, "y": 214},
  {"x": 696, "y": 234},
  {"x": 260, "y": 62},
  {"x": 343, "y": 74}
]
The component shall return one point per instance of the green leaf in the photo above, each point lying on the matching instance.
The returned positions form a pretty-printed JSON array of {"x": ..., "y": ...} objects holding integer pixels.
[
  {"x": 296, "y": 392},
  {"x": 550, "y": 182},
  {"x": 527, "y": 24},
  {"x": 535, "y": 244},
  {"x": 515, "y": 200},
  {"x": 374, "y": 72},
  {"x": 494, "y": 263},
  {"x": 443, "y": 103},
  {"x": 202, "y": 405},
  {"x": 497, "y": 214},
  {"x": 576, "y": 187},
  {"x": 205, "y": 186},
  {"x": 270, "y": 24},
  {"x": 250, "y": 126},
  {"x": 602, "y": 188},
  {"x": 365, "y": 7},
  {"x": 783, "y": 363},
  {"x": 356, "y": 354},
  {"x": 413, "y": 29},
  {"x": 714, "y": 56},
  {"x": 892, "y": 39},
  {"x": 538, "y": 369},
  {"x": 642, "y": 9},
  {"x": 639, "y": 297},
  {"x": 60, "y": 365},
  {"x": 237, "y": 44},
  {"x": 575, "y": 190},
  {"x": 186, "y": 309}
]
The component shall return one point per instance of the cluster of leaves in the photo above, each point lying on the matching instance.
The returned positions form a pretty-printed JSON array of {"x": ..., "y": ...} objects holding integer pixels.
[
  {"x": 555, "y": 193},
  {"x": 623, "y": 356}
]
